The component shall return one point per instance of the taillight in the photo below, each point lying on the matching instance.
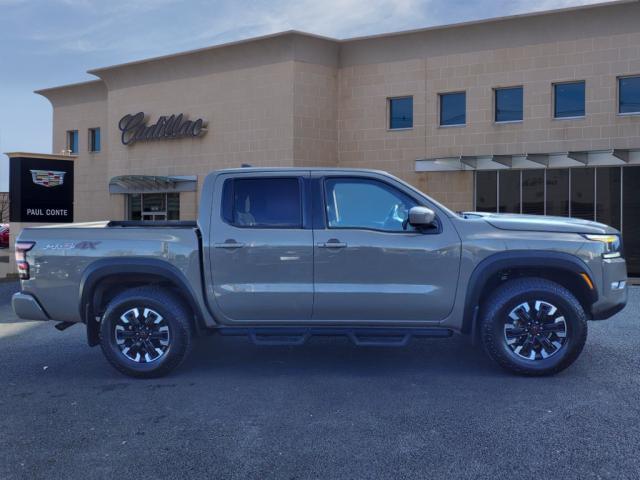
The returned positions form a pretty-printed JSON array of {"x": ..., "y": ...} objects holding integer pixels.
[{"x": 21, "y": 258}]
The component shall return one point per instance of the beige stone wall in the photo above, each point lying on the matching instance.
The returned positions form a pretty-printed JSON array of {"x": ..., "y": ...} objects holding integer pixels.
[
  {"x": 249, "y": 114},
  {"x": 365, "y": 140},
  {"x": 80, "y": 108},
  {"x": 315, "y": 112},
  {"x": 596, "y": 60}
]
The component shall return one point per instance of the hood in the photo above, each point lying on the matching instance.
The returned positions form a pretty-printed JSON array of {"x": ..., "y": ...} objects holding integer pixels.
[{"x": 540, "y": 223}]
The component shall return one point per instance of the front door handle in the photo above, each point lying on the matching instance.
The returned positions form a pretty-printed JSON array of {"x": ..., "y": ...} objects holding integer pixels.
[
  {"x": 332, "y": 243},
  {"x": 229, "y": 244}
]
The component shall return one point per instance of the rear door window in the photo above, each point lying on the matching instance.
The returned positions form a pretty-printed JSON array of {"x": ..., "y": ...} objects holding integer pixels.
[{"x": 263, "y": 202}]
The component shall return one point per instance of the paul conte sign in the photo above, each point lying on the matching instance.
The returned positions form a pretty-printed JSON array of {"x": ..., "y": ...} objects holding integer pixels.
[
  {"x": 135, "y": 128},
  {"x": 40, "y": 190}
]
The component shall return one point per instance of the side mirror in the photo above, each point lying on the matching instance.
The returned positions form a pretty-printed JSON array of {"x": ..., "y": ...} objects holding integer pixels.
[{"x": 421, "y": 216}]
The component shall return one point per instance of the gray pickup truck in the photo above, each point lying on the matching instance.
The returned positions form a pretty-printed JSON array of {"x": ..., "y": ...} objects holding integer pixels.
[{"x": 280, "y": 255}]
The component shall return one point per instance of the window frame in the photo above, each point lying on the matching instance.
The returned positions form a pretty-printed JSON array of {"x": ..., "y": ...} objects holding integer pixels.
[
  {"x": 453, "y": 125},
  {"x": 91, "y": 142},
  {"x": 431, "y": 231},
  {"x": 233, "y": 179},
  {"x": 553, "y": 100},
  {"x": 69, "y": 143},
  {"x": 399, "y": 97},
  {"x": 618, "y": 112},
  {"x": 495, "y": 104}
]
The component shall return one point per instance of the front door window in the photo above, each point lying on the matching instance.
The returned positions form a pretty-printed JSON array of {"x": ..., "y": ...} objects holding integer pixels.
[{"x": 154, "y": 206}]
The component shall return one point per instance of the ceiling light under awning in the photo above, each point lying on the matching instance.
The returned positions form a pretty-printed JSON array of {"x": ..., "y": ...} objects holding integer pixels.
[{"x": 153, "y": 183}]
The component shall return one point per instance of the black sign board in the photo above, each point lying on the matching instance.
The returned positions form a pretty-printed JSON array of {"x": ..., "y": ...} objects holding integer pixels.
[{"x": 40, "y": 190}]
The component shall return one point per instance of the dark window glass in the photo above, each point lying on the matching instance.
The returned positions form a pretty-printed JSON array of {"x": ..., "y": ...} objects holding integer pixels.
[
  {"x": 72, "y": 141},
  {"x": 569, "y": 100},
  {"x": 453, "y": 108},
  {"x": 135, "y": 206},
  {"x": 154, "y": 202},
  {"x": 486, "y": 191},
  {"x": 533, "y": 192},
  {"x": 631, "y": 218},
  {"x": 582, "y": 193},
  {"x": 629, "y": 94},
  {"x": 401, "y": 112},
  {"x": 508, "y": 104},
  {"x": 509, "y": 195},
  {"x": 357, "y": 203},
  {"x": 608, "y": 196},
  {"x": 266, "y": 203},
  {"x": 558, "y": 192},
  {"x": 94, "y": 139},
  {"x": 173, "y": 206}
]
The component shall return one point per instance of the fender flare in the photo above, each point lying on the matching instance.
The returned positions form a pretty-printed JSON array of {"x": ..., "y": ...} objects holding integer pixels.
[
  {"x": 538, "y": 259},
  {"x": 122, "y": 266}
]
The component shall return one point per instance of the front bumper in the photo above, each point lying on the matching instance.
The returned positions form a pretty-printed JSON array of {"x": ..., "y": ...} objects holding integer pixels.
[
  {"x": 27, "y": 307},
  {"x": 614, "y": 291}
]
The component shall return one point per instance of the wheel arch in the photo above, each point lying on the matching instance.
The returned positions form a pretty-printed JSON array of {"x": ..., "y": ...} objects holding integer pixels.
[
  {"x": 107, "y": 277},
  {"x": 560, "y": 267}
]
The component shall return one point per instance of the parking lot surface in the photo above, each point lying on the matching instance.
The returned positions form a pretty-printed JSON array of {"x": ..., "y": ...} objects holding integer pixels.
[{"x": 436, "y": 409}]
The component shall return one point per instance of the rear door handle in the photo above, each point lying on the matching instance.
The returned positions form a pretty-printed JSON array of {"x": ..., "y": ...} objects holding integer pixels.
[
  {"x": 332, "y": 244},
  {"x": 229, "y": 244}
]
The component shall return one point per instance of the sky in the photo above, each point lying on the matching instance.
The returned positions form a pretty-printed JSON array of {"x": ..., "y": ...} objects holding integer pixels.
[{"x": 45, "y": 43}]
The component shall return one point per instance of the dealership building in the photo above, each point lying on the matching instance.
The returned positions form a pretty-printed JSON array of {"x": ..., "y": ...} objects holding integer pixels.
[{"x": 535, "y": 113}]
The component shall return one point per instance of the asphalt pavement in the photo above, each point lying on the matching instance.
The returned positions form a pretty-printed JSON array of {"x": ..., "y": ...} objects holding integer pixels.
[{"x": 326, "y": 410}]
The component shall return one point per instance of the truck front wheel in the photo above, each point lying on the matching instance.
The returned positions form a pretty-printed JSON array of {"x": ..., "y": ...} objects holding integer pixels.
[
  {"x": 533, "y": 326},
  {"x": 145, "y": 332}
]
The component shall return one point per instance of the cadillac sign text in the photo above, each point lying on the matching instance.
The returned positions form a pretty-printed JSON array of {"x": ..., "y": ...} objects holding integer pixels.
[{"x": 134, "y": 128}]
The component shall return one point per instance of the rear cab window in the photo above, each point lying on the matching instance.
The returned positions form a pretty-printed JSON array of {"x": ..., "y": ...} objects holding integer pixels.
[{"x": 262, "y": 202}]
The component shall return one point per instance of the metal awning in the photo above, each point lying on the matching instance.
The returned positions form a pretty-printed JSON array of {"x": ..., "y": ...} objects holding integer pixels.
[
  {"x": 152, "y": 183},
  {"x": 530, "y": 160}
]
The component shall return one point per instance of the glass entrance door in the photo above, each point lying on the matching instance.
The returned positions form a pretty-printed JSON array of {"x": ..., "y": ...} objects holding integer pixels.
[{"x": 153, "y": 206}]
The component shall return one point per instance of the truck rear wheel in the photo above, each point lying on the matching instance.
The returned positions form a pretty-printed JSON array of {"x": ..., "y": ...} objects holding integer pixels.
[
  {"x": 145, "y": 332},
  {"x": 533, "y": 326}
]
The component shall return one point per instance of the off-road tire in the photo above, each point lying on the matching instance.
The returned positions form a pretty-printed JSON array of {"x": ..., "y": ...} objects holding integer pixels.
[
  {"x": 175, "y": 315},
  {"x": 494, "y": 314}
]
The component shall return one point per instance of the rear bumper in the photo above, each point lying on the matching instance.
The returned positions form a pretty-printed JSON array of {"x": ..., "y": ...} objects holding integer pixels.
[
  {"x": 27, "y": 307},
  {"x": 614, "y": 292}
]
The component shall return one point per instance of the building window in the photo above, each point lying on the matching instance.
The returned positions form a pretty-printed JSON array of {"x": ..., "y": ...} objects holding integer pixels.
[
  {"x": 400, "y": 113},
  {"x": 508, "y": 106},
  {"x": 629, "y": 94},
  {"x": 583, "y": 193},
  {"x": 153, "y": 206},
  {"x": 557, "y": 193},
  {"x": 453, "y": 109},
  {"x": 509, "y": 191},
  {"x": 94, "y": 139},
  {"x": 262, "y": 202},
  {"x": 608, "y": 180},
  {"x": 568, "y": 100},
  {"x": 486, "y": 191},
  {"x": 533, "y": 192},
  {"x": 72, "y": 141}
]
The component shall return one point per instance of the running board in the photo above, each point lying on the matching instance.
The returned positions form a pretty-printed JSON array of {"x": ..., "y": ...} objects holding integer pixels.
[
  {"x": 64, "y": 325},
  {"x": 361, "y": 337}
]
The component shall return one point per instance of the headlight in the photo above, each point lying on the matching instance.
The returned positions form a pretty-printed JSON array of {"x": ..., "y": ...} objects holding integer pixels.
[{"x": 611, "y": 243}]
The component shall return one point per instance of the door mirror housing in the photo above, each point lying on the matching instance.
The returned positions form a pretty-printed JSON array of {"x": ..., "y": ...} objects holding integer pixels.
[{"x": 421, "y": 216}]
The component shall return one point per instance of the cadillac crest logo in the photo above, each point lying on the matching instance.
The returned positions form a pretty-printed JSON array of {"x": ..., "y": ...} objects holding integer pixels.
[{"x": 47, "y": 178}]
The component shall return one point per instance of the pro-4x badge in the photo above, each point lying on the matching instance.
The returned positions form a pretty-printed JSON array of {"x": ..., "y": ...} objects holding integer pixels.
[{"x": 47, "y": 178}]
